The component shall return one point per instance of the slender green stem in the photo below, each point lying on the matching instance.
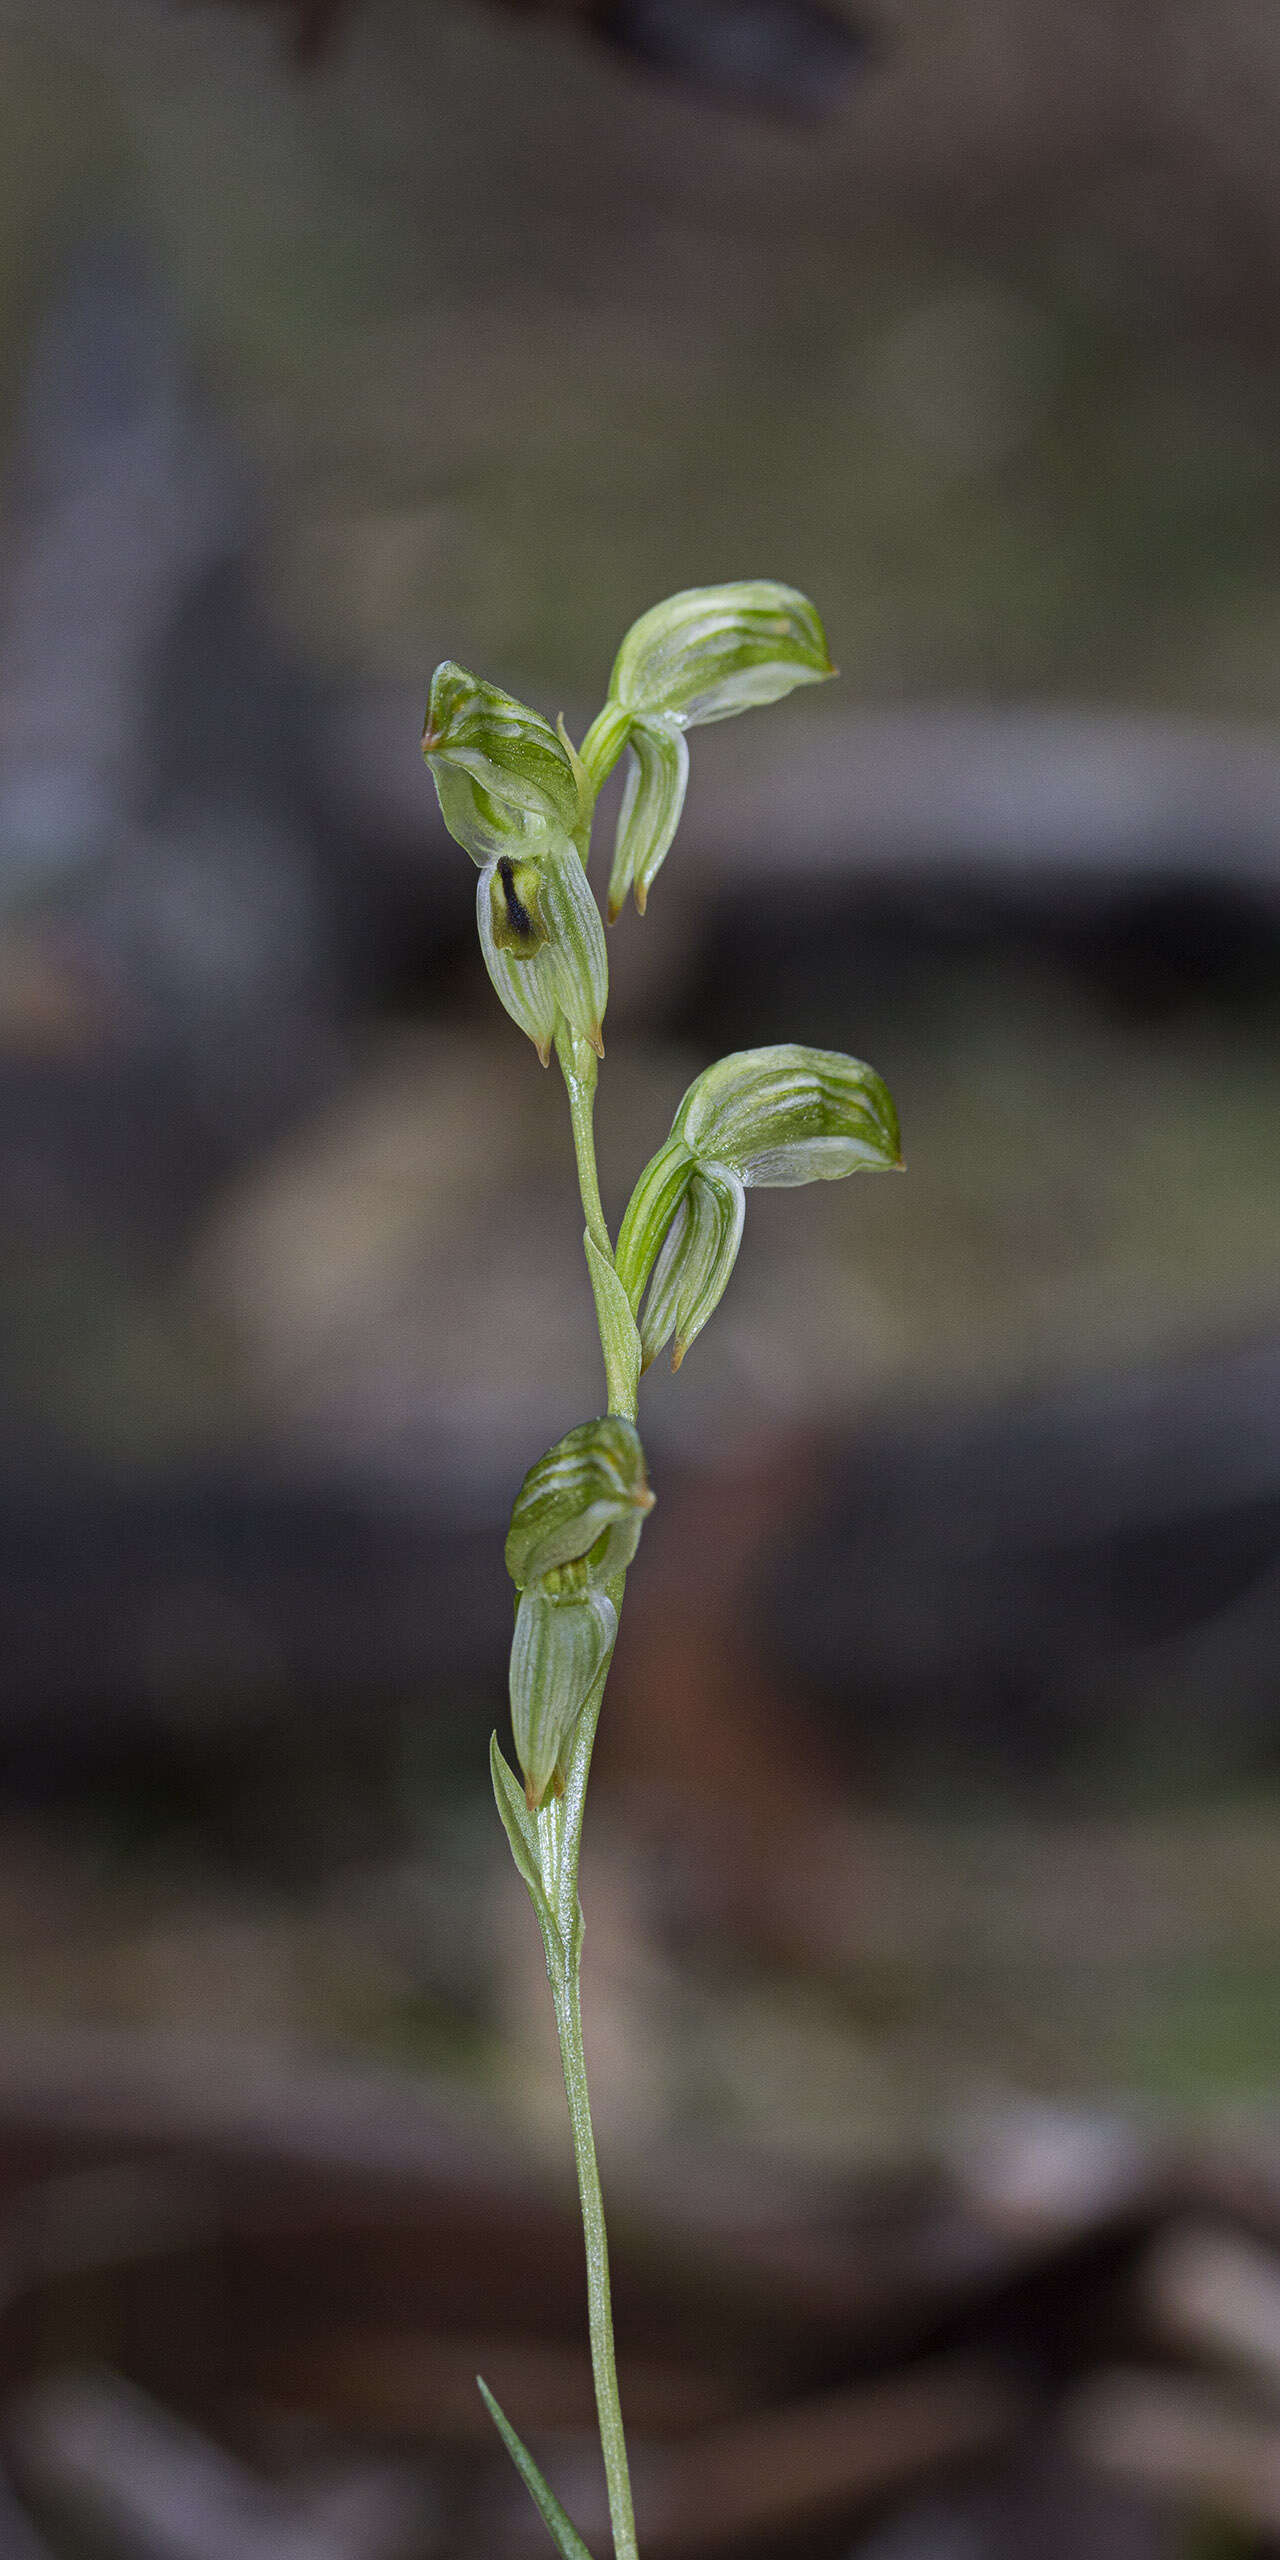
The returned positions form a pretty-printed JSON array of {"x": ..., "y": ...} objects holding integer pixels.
[
  {"x": 578, "y": 1066},
  {"x": 559, "y": 1845},
  {"x": 560, "y": 1841},
  {"x": 579, "y": 1069},
  {"x": 613, "y": 2443}
]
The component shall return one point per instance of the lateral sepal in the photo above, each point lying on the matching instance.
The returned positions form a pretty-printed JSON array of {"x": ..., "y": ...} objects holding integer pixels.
[
  {"x": 561, "y": 1646},
  {"x": 696, "y": 1263},
  {"x": 543, "y": 942},
  {"x": 657, "y": 778}
]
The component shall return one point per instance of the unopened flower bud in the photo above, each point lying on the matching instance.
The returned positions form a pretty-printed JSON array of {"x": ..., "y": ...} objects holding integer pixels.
[
  {"x": 543, "y": 942},
  {"x": 696, "y": 1263},
  {"x": 712, "y": 651},
  {"x": 502, "y": 775},
  {"x": 788, "y": 1115},
  {"x": 583, "y": 1503},
  {"x": 558, "y": 1651}
]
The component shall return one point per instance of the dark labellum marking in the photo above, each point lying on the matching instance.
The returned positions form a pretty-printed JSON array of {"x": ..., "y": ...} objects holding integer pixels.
[{"x": 518, "y": 916}]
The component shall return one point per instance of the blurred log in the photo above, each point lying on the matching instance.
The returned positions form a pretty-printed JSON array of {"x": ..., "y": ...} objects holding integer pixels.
[
  {"x": 408, "y": 2385},
  {"x": 79, "y": 2091},
  {"x": 782, "y": 58},
  {"x": 197, "y": 1599},
  {"x": 1023, "y": 797},
  {"x": 1038, "y": 2506},
  {"x": 1076, "y": 800},
  {"x": 1218, "y": 2293},
  {"x": 785, "y": 2468},
  {"x": 1042, "y": 2175},
  {"x": 19, "y": 2539},
  {"x": 289, "y": 2252},
  {"x": 106, "y": 2216},
  {"x": 1187, "y": 2441},
  {"x": 366, "y": 2204},
  {"x": 1025, "y": 1581},
  {"x": 111, "y": 2461}
]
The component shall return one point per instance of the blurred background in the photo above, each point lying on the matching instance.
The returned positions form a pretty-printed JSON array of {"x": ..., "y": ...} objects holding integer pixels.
[{"x": 933, "y": 1877}]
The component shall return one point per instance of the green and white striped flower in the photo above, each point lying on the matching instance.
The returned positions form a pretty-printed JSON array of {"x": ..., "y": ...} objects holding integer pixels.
[
  {"x": 502, "y": 775},
  {"x": 763, "y": 1119},
  {"x": 704, "y": 654},
  {"x": 511, "y": 791},
  {"x": 583, "y": 1503}
]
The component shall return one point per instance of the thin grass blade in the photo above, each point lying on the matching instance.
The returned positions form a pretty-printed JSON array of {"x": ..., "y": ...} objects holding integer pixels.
[{"x": 567, "y": 2539}]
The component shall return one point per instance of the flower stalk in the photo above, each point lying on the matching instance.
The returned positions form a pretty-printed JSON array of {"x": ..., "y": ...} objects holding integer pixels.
[{"x": 519, "y": 797}]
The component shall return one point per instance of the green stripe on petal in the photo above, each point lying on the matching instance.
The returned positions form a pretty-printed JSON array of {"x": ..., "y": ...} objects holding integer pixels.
[
  {"x": 590, "y": 1487},
  {"x": 710, "y": 652},
  {"x": 787, "y": 1115},
  {"x": 502, "y": 775},
  {"x": 604, "y": 742},
  {"x": 649, "y": 1212},
  {"x": 662, "y": 1297}
]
